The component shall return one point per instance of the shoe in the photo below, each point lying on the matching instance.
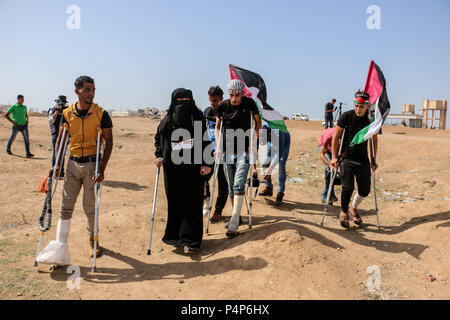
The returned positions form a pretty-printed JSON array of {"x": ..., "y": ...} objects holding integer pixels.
[
  {"x": 344, "y": 220},
  {"x": 241, "y": 223},
  {"x": 189, "y": 250},
  {"x": 279, "y": 200},
  {"x": 266, "y": 192},
  {"x": 30, "y": 155},
  {"x": 324, "y": 200},
  {"x": 216, "y": 217},
  {"x": 355, "y": 216},
  {"x": 232, "y": 234},
  {"x": 333, "y": 199},
  {"x": 9, "y": 152},
  {"x": 91, "y": 248}
]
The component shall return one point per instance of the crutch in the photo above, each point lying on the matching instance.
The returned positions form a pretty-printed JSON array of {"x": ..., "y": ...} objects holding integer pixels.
[
  {"x": 47, "y": 208},
  {"x": 372, "y": 160},
  {"x": 216, "y": 169},
  {"x": 333, "y": 176},
  {"x": 251, "y": 176},
  {"x": 98, "y": 195},
  {"x": 149, "y": 251}
]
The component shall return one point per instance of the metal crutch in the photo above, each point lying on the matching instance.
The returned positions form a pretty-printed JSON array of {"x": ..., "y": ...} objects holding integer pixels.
[
  {"x": 98, "y": 195},
  {"x": 216, "y": 168},
  {"x": 251, "y": 176},
  {"x": 47, "y": 209},
  {"x": 374, "y": 182},
  {"x": 333, "y": 176},
  {"x": 149, "y": 251}
]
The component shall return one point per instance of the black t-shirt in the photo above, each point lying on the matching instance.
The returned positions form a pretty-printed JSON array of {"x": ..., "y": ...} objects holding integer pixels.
[
  {"x": 352, "y": 125},
  {"x": 105, "y": 123},
  {"x": 210, "y": 114},
  {"x": 236, "y": 117},
  {"x": 329, "y": 106}
]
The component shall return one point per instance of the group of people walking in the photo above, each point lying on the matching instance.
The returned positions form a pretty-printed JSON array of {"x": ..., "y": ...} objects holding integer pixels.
[
  {"x": 233, "y": 129},
  {"x": 190, "y": 145}
]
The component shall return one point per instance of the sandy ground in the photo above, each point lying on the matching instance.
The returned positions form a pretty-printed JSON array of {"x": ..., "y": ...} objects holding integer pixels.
[{"x": 287, "y": 255}]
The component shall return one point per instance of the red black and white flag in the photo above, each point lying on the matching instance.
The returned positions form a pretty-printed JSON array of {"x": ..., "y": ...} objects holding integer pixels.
[
  {"x": 255, "y": 88},
  {"x": 376, "y": 88}
]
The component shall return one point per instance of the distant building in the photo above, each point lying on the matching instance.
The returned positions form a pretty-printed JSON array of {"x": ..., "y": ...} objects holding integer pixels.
[
  {"x": 408, "y": 120},
  {"x": 4, "y": 108},
  {"x": 125, "y": 113}
]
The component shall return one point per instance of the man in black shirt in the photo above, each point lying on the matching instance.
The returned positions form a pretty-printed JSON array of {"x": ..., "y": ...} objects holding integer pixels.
[
  {"x": 329, "y": 109},
  {"x": 236, "y": 115},
  {"x": 355, "y": 161}
]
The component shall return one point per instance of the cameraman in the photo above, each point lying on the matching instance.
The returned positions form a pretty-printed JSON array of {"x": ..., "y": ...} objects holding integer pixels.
[
  {"x": 329, "y": 109},
  {"x": 54, "y": 119}
]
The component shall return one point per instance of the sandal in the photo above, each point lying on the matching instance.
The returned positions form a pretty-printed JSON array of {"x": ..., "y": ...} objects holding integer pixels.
[
  {"x": 355, "y": 216},
  {"x": 344, "y": 222},
  {"x": 216, "y": 217},
  {"x": 232, "y": 234}
]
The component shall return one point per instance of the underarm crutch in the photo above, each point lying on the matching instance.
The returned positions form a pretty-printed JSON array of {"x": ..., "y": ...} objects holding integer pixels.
[
  {"x": 372, "y": 160},
  {"x": 333, "y": 176},
  {"x": 45, "y": 219},
  {"x": 250, "y": 211},
  {"x": 216, "y": 169},
  {"x": 98, "y": 195}
]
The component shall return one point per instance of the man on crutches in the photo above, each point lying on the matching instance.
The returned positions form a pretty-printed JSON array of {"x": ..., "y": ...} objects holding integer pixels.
[
  {"x": 83, "y": 119},
  {"x": 215, "y": 95},
  {"x": 355, "y": 161},
  {"x": 237, "y": 114}
]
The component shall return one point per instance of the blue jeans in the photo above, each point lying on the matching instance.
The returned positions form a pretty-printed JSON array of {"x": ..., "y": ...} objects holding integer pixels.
[
  {"x": 236, "y": 170},
  {"x": 55, "y": 153},
  {"x": 24, "y": 130},
  {"x": 327, "y": 176},
  {"x": 283, "y": 154},
  {"x": 329, "y": 120}
]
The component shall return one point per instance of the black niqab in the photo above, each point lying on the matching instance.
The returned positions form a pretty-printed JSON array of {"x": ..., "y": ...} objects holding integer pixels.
[{"x": 180, "y": 111}]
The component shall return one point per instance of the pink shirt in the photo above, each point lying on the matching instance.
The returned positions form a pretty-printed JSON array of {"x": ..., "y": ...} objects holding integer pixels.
[{"x": 326, "y": 138}]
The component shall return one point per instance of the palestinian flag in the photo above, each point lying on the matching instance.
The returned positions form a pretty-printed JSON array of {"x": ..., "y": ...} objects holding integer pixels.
[
  {"x": 255, "y": 88},
  {"x": 376, "y": 88}
]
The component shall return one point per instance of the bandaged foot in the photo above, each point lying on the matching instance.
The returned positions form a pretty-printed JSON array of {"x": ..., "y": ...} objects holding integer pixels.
[
  {"x": 57, "y": 251},
  {"x": 237, "y": 206},
  {"x": 357, "y": 200}
]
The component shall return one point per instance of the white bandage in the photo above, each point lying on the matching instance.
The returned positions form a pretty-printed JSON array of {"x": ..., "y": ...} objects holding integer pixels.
[
  {"x": 57, "y": 251},
  {"x": 357, "y": 200},
  {"x": 237, "y": 206}
]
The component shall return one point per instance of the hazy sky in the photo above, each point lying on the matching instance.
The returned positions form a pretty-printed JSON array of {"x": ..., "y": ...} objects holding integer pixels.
[{"x": 138, "y": 52}]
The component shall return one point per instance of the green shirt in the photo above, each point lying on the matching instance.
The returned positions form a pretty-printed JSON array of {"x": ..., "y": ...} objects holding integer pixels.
[{"x": 18, "y": 114}]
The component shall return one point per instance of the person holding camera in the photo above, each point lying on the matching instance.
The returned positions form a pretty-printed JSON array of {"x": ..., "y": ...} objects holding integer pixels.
[
  {"x": 329, "y": 109},
  {"x": 54, "y": 119}
]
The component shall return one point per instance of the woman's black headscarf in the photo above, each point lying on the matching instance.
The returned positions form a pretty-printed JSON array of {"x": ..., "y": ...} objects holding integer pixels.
[{"x": 180, "y": 111}]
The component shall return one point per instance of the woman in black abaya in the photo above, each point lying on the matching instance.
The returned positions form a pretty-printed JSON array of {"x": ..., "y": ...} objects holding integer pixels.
[{"x": 183, "y": 181}]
